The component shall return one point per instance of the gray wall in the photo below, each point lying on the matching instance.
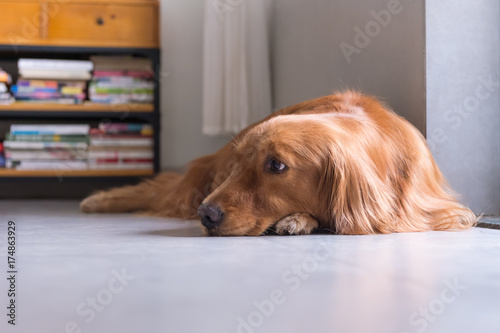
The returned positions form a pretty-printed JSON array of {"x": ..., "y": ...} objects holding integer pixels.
[
  {"x": 463, "y": 112},
  {"x": 308, "y": 60},
  {"x": 181, "y": 96}
]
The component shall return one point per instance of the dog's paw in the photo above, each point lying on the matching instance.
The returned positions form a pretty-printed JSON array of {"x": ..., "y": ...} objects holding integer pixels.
[
  {"x": 296, "y": 224},
  {"x": 94, "y": 203}
]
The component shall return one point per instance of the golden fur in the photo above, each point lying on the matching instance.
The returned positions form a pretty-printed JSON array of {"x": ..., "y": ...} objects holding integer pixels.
[{"x": 353, "y": 167}]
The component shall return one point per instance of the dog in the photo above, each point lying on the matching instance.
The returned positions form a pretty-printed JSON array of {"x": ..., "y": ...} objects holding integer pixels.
[{"x": 344, "y": 164}]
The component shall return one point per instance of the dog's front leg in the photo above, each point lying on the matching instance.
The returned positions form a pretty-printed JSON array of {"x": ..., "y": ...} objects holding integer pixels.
[{"x": 296, "y": 224}]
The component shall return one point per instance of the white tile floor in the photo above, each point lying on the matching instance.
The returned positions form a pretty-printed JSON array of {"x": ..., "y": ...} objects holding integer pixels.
[{"x": 177, "y": 280}]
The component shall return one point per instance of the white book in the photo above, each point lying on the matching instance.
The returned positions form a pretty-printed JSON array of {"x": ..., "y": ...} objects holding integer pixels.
[
  {"x": 47, "y": 165},
  {"x": 135, "y": 142},
  {"x": 35, "y": 74},
  {"x": 118, "y": 166},
  {"x": 67, "y": 154},
  {"x": 44, "y": 144},
  {"x": 7, "y": 101},
  {"x": 55, "y": 65},
  {"x": 121, "y": 154},
  {"x": 78, "y": 129}
]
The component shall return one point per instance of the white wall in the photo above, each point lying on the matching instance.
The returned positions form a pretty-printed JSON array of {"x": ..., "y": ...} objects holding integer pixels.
[
  {"x": 463, "y": 97},
  {"x": 181, "y": 96}
]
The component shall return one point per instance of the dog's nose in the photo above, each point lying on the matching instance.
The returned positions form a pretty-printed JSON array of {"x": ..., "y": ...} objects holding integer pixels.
[{"x": 211, "y": 216}]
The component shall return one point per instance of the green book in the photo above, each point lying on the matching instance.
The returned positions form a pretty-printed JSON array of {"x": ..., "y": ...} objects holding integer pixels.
[{"x": 46, "y": 137}]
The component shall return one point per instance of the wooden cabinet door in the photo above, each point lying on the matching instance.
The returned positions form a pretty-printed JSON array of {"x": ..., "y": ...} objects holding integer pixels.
[
  {"x": 20, "y": 22},
  {"x": 113, "y": 24}
]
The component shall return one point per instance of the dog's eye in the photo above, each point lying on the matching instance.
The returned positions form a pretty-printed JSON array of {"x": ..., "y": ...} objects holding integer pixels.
[{"x": 275, "y": 166}]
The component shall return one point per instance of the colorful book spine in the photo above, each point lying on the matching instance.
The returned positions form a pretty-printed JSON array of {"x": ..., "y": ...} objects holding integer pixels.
[
  {"x": 38, "y": 83},
  {"x": 44, "y": 145},
  {"x": 46, "y": 137},
  {"x": 116, "y": 74},
  {"x": 49, "y": 129},
  {"x": 118, "y": 142},
  {"x": 16, "y": 89},
  {"x": 117, "y": 128},
  {"x": 121, "y": 154},
  {"x": 118, "y": 166},
  {"x": 66, "y": 154},
  {"x": 47, "y": 165},
  {"x": 121, "y": 90}
]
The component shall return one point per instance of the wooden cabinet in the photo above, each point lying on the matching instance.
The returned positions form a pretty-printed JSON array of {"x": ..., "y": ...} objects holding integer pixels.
[
  {"x": 115, "y": 23},
  {"x": 19, "y": 20}
]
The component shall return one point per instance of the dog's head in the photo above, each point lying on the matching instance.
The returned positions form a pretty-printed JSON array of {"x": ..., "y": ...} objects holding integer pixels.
[{"x": 297, "y": 164}]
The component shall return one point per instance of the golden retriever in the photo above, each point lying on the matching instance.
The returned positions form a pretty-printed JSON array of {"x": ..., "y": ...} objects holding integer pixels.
[{"x": 343, "y": 163}]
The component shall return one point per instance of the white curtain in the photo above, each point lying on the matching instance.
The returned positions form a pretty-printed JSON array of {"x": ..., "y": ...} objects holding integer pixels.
[{"x": 236, "y": 67}]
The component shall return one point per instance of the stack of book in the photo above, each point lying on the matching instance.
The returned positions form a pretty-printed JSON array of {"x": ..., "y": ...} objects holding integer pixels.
[
  {"x": 47, "y": 147},
  {"x": 121, "y": 146},
  {"x": 52, "y": 81},
  {"x": 5, "y": 95},
  {"x": 2, "y": 156},
  {"x": 121, "y": 80}
]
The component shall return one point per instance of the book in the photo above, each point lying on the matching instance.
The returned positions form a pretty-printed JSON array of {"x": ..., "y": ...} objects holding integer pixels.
[
  {"x": 38, "y": 83},
  {"x": 121, "y": 154},
  {"x": 121, "y": 63},
  {"x": 2, "y": 156},
  {"x": 120, "y": 99},
  {"x": 119, "y": 166},
  {"x": 57, "y": 75},
  {"x": 120, "y": 75},
  {"x": 118, "y": 128},
  {"x": 47, "y": 165},
  {"x": 77, "y": 91},
  {"x": 121, "y": 90},
  {"x": 122, "y": 80},
  {"x": 118, "y": 148},
  {"x": 48, "y": 154},
  {"x": 44, "y": 145},
  {"x": 55, "y": 65},
  {"x": 68, "y": 100},
  {"x": 17, "y": 89},
  {"x": 79, "y": 129},
  {"x": 46, "y": 137},
  {"x": 50, "y": 91},
  {"x": 51, "y": 83},
  {"x": 7, "y": 101},
  {"x": 120, "y": 141}
]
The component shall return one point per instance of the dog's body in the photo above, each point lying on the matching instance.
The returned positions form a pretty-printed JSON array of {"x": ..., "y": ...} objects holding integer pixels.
[{"x": 342, "y": 163}]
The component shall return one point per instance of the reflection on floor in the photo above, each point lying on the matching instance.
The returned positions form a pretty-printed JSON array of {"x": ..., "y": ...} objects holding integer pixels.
[{"x": 126, "y": 273}]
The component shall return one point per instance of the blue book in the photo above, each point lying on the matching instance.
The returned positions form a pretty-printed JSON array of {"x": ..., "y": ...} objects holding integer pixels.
[{"x": 78, "y": 129}]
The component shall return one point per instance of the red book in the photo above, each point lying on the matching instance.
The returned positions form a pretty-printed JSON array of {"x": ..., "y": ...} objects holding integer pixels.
[{"x": 137, "y": 160}]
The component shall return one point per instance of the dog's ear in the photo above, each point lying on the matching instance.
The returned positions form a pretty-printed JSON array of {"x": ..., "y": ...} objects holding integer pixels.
[{"x": 354, "y": 198}]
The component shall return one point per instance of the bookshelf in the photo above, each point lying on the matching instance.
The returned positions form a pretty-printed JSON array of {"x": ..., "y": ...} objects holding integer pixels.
[{"x": 74, "y": 183}]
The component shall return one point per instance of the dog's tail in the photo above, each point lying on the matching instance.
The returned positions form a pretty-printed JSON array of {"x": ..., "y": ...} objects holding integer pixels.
[{"x": 131, "y": 198}]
